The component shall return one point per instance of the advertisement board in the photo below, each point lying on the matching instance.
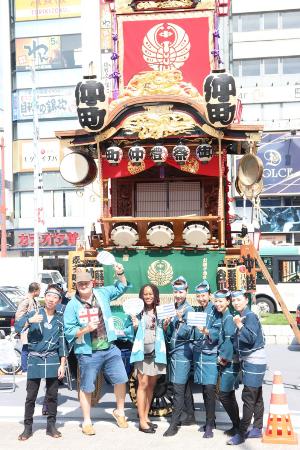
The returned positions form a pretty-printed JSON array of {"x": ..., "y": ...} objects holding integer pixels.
[{"x": 46, "y": 9}]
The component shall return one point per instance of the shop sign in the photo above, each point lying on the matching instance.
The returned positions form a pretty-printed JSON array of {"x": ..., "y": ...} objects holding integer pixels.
[
  {"x": 52, "y": 103},
  {"x": 46, "y": 9},
  {"x": 53, "y": 238},
  {"x": 49, "y": 155}
]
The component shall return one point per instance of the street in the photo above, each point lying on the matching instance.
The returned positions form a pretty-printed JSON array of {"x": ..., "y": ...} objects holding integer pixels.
[{"x": 110, "y": 437}]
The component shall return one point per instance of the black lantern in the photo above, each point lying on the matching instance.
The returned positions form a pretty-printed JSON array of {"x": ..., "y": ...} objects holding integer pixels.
[
  {"x": 136, "y": 154},
  {"x": 204, "y": 153},
  {"x": 114, "y": 155},
  {"x": 91, "y": 103},
  {"x": 220, "y": 98},
  {"x": 159, "y": 154},
  {"x": 181, "y": 154}
]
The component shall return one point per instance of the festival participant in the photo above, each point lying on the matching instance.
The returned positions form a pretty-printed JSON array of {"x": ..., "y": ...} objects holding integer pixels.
[
  {"x": 148, "y": 353},
  {"x": 228, "y": 360},
  {"x": 94, "y": 342},
  {"x": 205, "y": 354},
  {"x": 179, "y": 337},
  {"x": 28, "y": 304},
  {"x": 46, "y": 359},
  {"x": 249, "y": 343}
]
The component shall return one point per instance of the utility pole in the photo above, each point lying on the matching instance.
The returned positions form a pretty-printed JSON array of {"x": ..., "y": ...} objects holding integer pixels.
[
  {"x": 3, "y": 203},
  {"x": 39, "y": 223}
]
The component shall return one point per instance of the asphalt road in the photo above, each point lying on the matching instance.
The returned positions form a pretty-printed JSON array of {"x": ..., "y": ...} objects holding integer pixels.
[{"x": 110, "y": 437}]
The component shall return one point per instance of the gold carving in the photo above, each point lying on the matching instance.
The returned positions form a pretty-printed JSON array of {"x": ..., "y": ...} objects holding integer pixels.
[
  {"x": 106, "y": 134},
  {"x": 149, "y": 125},
  {"x": 160, "y": 272},
  {"x": 212, "y": 131},
  {"x": 135, "y": 169},
  {"x": 192, "y": 165},
  {"x": 153, "y": 82},
  {"x": 167, "y": 4}
]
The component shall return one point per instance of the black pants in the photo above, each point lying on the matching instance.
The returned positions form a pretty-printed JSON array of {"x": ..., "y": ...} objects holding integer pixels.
[
  {"x": 209, "y": 398},
  {"x": 32, "y": 389},
  {"x": 182, "y": 402},
  {"x": 253, "y": 405},
  {"x": 230, "y": 405}
]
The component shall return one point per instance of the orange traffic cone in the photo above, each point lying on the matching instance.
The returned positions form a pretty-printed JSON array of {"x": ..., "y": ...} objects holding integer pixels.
[{"x": 279, "y": 428}]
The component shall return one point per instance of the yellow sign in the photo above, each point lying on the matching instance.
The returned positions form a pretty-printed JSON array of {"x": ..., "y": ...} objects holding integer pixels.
[{"x": 46, "y": 9}]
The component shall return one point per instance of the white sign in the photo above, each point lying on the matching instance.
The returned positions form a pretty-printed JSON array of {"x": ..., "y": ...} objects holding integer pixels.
[
  {"x": 133, "y": 306},
  {"x": 165, "y": 311},
  {"x": 48, "y": 153},
  {"x": 196, "y": 319}
]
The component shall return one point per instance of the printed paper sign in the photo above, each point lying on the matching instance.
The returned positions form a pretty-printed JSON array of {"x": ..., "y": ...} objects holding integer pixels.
[
  {"x": 196, "y": 319},
  {"x": 133, "y": 306},
  {"x": 166, "y": 310},
  {"x": 88, "y": 315}
]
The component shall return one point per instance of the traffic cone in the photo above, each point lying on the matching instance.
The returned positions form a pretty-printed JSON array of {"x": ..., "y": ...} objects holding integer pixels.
[{"x": 279, "y": 428}]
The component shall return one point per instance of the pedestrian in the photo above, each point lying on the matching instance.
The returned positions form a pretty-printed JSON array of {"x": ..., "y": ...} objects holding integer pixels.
[
  {"x": 46, "y": 359},
  {"x": 205, "y": 355},
  {"x": 28, "y": 304},
  {"x": 249, "y": 343},
  {"x": 229, "y": 366},
  {"x": 179, "y": 338},
  {"x": 148, "y": 353},
  {"x": 93, "y": 341}
]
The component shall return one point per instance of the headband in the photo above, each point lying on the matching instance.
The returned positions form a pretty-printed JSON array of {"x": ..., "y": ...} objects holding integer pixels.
[
  {"x": 179, "y": 287},
  {"x": 238, "y": 293},
  {"x": 202, "y": 287},
  {"x": 223, "y": 293},
  {"x": 53, "y": 292}
]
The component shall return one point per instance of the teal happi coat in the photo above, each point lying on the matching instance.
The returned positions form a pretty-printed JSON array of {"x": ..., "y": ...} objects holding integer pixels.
[
  {"x": 230, "y": 372},
  {"x": 205, "y": 349},
  {"x": 104, "y": 296},
  {"x": 137, "y": 352}
]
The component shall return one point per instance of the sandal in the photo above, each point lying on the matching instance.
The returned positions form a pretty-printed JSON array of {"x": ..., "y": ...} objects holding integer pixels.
[
  {"x": 53, "y": 432},
  {"x": 26, "y": 434}
]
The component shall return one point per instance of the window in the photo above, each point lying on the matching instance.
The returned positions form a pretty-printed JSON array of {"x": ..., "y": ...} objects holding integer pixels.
[
  {"x": 250, "y": 22},
  {"x": 235, "y": 23},
  {"x": 270, "y": 66},
  {"x": 291, "y": 65},
  {"x": 235, "y": 68},
  {"x": 289, "y": 271},
  {"x": 250, "y": 67},
  {"x": 270, "y": 21},
  {"x": 26, "y": 205},
  {"x": 268, "y": 261},
  {"x": 291, "y": 19}
]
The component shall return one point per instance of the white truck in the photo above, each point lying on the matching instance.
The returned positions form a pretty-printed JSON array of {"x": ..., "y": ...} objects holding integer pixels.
[{"x": 19, "y": 271}]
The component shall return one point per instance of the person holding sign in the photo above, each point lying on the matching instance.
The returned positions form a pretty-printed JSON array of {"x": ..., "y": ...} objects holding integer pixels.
[
  {"x": 148, "y": 352},
  {"x": 229, "y": 367},
  {"x": 179, "y": 337},
  {"x": 89, "y": 327},
  {"x": 206, "y": 339},
  {"x": 249, "y": 343},
  {"x": 46, "y": 359}
]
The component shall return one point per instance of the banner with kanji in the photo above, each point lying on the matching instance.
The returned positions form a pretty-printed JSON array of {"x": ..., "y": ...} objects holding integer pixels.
[{"x": 182, "y": 41}]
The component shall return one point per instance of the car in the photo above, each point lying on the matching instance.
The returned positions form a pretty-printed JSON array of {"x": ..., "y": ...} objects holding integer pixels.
[
  {"x": 14, "y": 293},
  {"x": 7, "y": 310}
]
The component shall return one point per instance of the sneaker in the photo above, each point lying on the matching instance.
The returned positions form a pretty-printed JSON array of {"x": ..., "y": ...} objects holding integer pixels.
[
  {"x": 121, "y": 420},
  {"x": 237, "y": 439},
  {"x": 88, "y": 429},
  {"x": 208, "y": 432},
  {"x": 254, "y": 433}
]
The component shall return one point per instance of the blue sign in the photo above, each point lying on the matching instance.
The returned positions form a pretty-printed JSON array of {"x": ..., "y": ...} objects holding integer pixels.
[{"x": 280, "y": 153}]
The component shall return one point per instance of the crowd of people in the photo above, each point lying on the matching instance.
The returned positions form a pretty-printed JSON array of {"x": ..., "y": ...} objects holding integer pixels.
[{"x": 226, "y": 350}]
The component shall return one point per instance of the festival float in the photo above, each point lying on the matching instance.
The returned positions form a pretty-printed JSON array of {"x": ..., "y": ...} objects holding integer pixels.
[{"x": 161, "y": 148}]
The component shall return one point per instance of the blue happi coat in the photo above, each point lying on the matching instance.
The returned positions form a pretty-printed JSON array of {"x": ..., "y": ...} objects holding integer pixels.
[
  {"x": 249, "y": 344},
  {"x": 205, "y": 348},
  {"x": 46, "y": 344},
  {"x": 228, "y": 374},
  {"x": 72, "y": 323},
  {"x": 180, "y": 350},
  {"x": 138, "y": 338}
]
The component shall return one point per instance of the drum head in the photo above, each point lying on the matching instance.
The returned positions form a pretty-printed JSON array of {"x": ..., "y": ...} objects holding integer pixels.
[
  {"x": 250, "y": 169},
  {"x": 78, "y": 169},
  {"x": 124, "y": 236},
  {"x": 160, "y": 235},
  {"x": 196, "y": 235}
]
